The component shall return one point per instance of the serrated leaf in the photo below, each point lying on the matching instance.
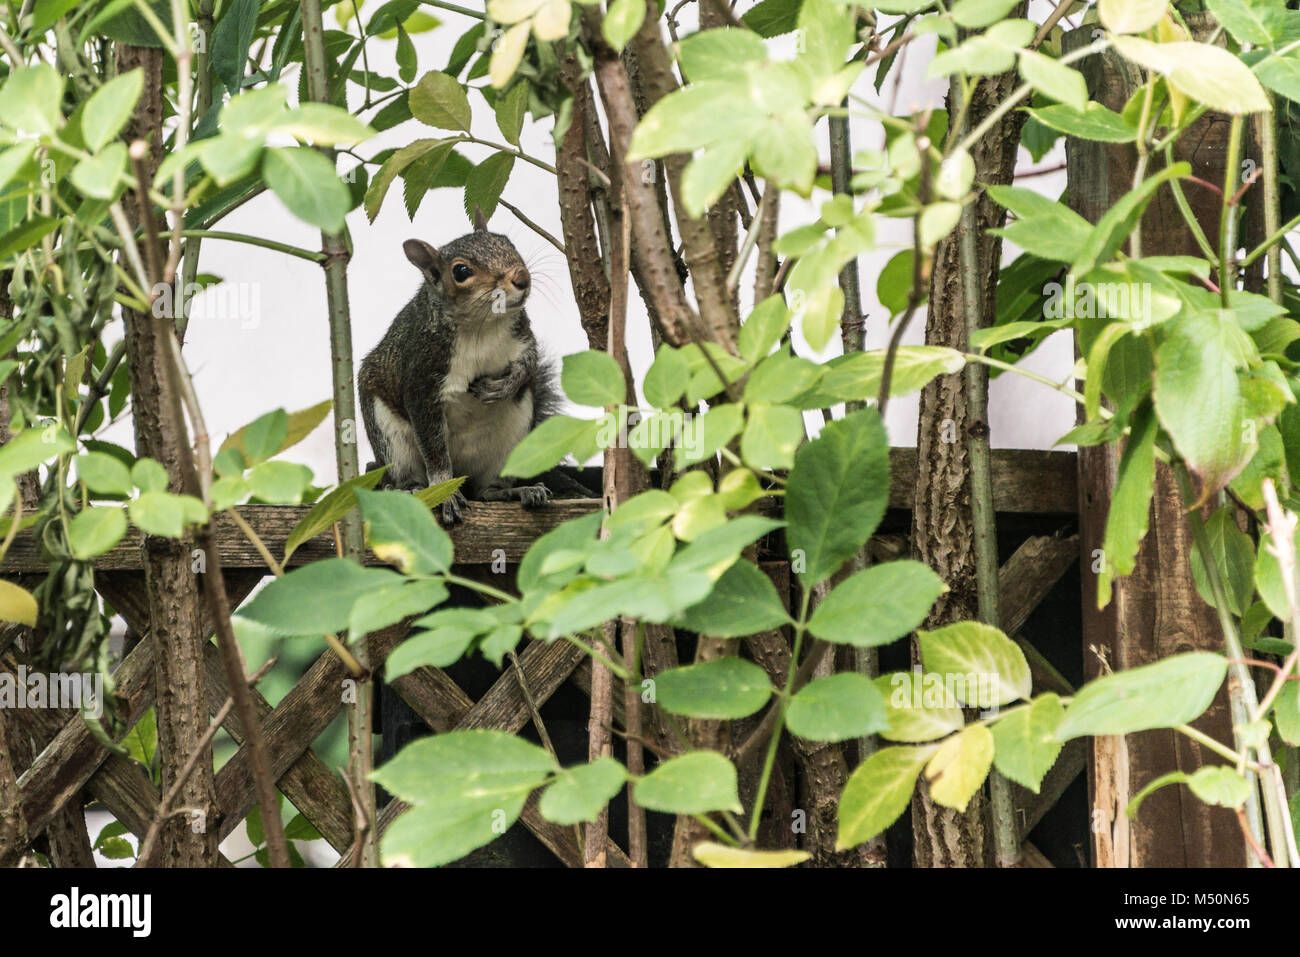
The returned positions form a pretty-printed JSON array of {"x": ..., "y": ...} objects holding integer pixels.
[
  {"x": 877, "y": 792},
  {"x": 981, "y": 654},
  {"x": 693, "y": 783}
]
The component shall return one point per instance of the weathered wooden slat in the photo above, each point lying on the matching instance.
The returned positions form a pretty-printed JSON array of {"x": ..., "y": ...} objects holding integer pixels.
[
  {"x": 1025, "y": 481},
  {"x": 73, "y": 756}
]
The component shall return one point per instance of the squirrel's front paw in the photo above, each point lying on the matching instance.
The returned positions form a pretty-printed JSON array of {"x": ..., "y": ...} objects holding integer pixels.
[
  {"x": 452, "y": 510},
  {"x": 530, "y": 496},
  {"x": 493, "y": 388}
]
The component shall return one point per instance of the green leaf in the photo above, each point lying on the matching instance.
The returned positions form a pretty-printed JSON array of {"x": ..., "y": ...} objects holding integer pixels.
[
  {"x": 1233, "y": 554},
  {"x": 1174, "y": 691},
  {"x": 161, "y": 513},
  {"x": 466, "y": 788},
  {"x": 1286, "y": 713},
  {"x": 837, "y": 493},
  {"x": 1219, "y": 785},
  {"x": 743, "y": 602},
  {"x": 30, "y": 99},
  {"x": 877, "y": 604},
  {"x": 439, "y": 100},
  {"x": 718, "y": 54},
  {"x": 32, "y": 447},
  {"x": 877, "y": 792},
  {"x": 959, "y": 767},
  {"x": 722, "y": 689},
  {"x": 622, "y": 22},
  {"x": 1131, "y": 16},
  {"x": 322, "y": 124},
  {"x": 317, "y": 598},
  {"x": 1095, "y": 122},
  {"x": 551, "y": 441},
  {"x": 1250, "y": 21},
  {"x": 1208, "y": 74},
  {"x": 387, "y": 606},
  {"x": 694, "y": 783},
  {"x": 580, "y": 793},
  {"x": 406, "y": 58},
  {"x": 709, "y": 433},
  {"x": 485, "y": 182},
  {"x": 329, "y": 510},
  {"x": 763, "y": 329},
  {"x": 991, "y": 52},
  {"x": 857, "y": 376},
  {"x": 305, "y": 181},
  {"x": 593, "y": 378},
  {"x": 441, "y": 647},
  {"x": 149, "y": 476},
  {"x": 1198, "y": 397},
  {"x": 280, "y": 483},
  {"x": 574, "y": 534},
  {"x": 837, "y": 708},
  {"x": 1025, "y": 741},
  {"x": 431, "y": 151},
  {"x": 1053, "y": 79},
  {"x": 107, "y": 111},
  {"x": 14, "y": 159},
  {"x": 1130, "y": 505},
  {"x": 918, "y": 707},
  {"x": 403, "y": 532},
  {"x": 511, "y": 110},
  {"x": 1268, "y": 577},
  {"x": 229, "y": 491},
  {"x": 667, "y": 377},
  {"x": 1119, "y": 221},
  {"x": 980, "y": 655},
  {"x": 231, "y": 40},
  {"x": 98, "y": 177},
  {"x": 772, "y": 434},
  {"x": 104, "y": 474},
  {"x": 1280, "y": 74},
  {"x": 977, "y": 14},
  {"x": 722, "y": 855},
  {"x": 95, "y": 531}
]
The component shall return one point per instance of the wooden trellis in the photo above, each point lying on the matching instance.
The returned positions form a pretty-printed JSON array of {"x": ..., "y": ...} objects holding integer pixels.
[{"x": 68, "y": 761}]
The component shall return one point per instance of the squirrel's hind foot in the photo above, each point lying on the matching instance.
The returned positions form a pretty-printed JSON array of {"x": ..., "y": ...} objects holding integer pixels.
[
  {"x": 529, "y": 496},
  {"x": 452, "y": 511}
]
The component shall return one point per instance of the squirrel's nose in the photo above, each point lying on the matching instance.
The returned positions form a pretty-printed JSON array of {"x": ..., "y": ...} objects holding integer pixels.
[{"x": 519, "y": 279}]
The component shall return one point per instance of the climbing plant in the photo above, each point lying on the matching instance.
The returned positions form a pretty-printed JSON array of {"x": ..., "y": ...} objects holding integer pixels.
[{"x": 673, "y": 183}]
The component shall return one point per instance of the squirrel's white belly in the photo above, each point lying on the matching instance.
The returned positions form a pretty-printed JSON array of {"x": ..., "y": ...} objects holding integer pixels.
[{"x": 480, "y": 435}]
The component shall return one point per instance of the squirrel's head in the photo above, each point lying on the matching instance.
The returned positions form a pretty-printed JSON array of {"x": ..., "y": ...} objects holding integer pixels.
[{"x": 478, "y": 276}]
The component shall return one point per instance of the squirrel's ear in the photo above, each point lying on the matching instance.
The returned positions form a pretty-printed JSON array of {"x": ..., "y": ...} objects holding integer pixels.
[
  {"x": 424, "y": 257},
  {"x": 480, "y": 221}
]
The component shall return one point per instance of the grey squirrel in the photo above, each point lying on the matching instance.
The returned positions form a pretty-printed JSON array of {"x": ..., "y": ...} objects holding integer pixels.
[{"x": 457, "y": 381}]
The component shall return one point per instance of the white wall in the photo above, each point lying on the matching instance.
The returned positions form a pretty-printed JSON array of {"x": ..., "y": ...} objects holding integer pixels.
[{"x": 281, "y": 357}]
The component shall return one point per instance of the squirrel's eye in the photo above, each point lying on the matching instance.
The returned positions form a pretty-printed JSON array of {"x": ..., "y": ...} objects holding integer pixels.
[{"x": 460, "y": 272}]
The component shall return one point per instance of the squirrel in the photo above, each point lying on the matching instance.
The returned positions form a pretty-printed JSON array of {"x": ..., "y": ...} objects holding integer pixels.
[{"x": 457, "y": 381}]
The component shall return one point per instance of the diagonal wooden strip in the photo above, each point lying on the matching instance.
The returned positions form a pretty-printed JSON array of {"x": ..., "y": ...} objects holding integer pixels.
[
  {"x": 66, "y": 835},
  {"x": 308, "y": 783},
  {"x": 1030, "y": 573},
  {"x": 73, "y": 756}
]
